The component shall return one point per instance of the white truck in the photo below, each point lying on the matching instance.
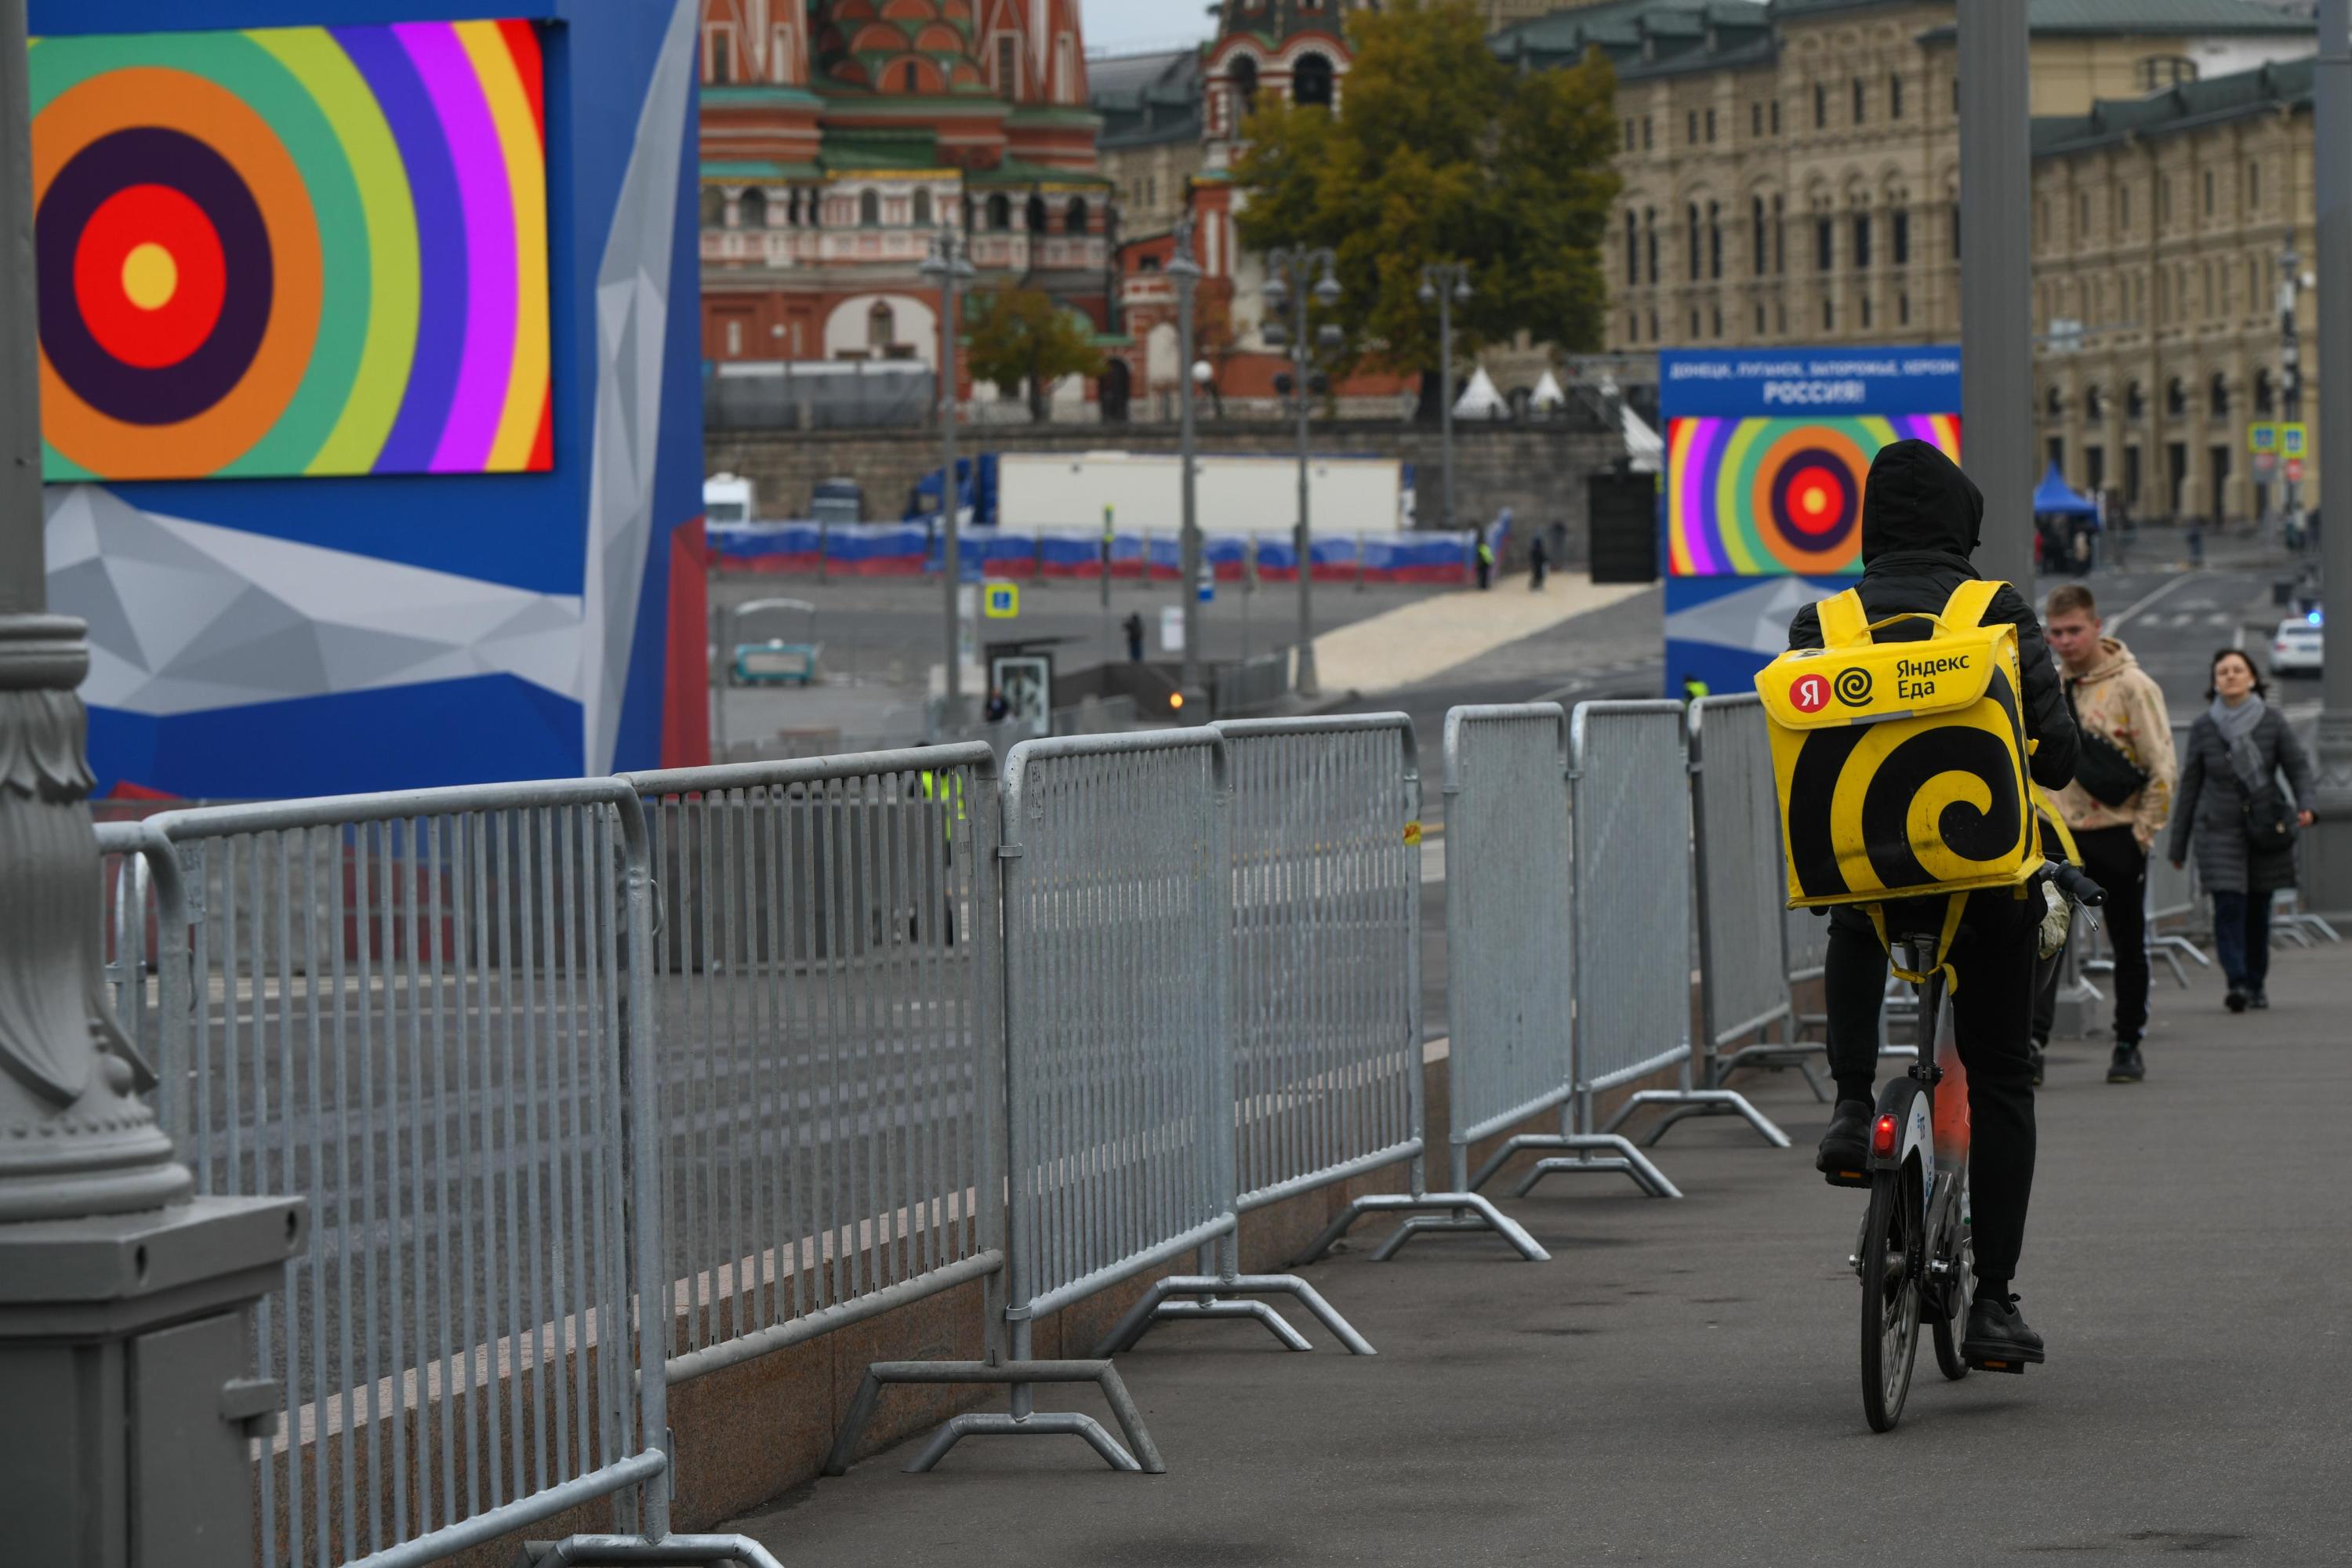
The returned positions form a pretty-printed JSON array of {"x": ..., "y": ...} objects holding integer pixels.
[{"x": 1235, "y": 495}]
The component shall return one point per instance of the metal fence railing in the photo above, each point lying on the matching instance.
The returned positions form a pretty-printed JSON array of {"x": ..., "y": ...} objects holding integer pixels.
[
  {"x": 413, "y": 1009},
  {"x": 824, "y": 1005},
  {"x": 1327, "y": 969},
  {"x": 127, "y": 933}
]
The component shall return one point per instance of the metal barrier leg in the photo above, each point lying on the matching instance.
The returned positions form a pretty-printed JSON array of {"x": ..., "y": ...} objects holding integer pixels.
[
  {"x": 1697, "y": 1102},
  {"x": 2171, "y": 961},
  {"x": 622, "y": 1550},
  {"x": 1139, "y": 1456},
  {"x": 2180, "y": 945},
  {"x": 1465, "y": 1211},
  {"x": 1156, "y": 1307},
  {"x": 1580, "y": 1160}
]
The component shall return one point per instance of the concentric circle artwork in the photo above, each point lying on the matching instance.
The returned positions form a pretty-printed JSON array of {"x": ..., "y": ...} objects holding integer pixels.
[
  {"x": 1753, "y": 498},
  {"x": 300, "y": 250}
]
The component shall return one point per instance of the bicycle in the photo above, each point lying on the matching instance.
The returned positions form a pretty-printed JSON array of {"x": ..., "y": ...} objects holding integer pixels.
[{"x": 1914, "y": 1255}]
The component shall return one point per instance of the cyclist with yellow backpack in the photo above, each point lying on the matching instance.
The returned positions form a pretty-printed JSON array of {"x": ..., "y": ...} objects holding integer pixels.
[{"x": 1921, "y": 521}]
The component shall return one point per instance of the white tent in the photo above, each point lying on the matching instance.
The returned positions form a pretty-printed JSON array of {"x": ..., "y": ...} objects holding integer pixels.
[
  {"x": 1479, "y": 400},
  {"x": 1548, "y": 394},
  {"x": 1642, "y": 444}
]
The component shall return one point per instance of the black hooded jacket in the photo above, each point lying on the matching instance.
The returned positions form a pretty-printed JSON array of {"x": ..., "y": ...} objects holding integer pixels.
[{"x": 1921, "y": 519}]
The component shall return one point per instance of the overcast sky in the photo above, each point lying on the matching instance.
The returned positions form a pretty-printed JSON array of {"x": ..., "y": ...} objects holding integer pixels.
[{"x": 1126, "y": 27}]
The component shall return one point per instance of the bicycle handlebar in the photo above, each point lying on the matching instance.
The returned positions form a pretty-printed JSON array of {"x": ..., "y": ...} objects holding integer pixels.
[{"x": 2072, "y": 882}]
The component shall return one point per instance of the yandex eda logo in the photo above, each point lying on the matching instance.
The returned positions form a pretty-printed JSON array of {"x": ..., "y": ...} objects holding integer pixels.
[
  {"x": 1810, "y": 695},
  {"x": 1853, "y": 688}
]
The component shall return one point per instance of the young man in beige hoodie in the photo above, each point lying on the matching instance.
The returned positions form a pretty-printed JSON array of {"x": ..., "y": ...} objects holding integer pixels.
[{"x": 2116, "y": 805}]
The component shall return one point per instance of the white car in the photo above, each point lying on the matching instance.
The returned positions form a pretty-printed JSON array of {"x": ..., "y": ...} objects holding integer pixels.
[{"x": 2296, "y": 647}]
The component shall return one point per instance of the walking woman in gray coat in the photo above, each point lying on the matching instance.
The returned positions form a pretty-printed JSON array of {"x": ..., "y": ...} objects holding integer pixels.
[{"x": 2229, "y": 809}]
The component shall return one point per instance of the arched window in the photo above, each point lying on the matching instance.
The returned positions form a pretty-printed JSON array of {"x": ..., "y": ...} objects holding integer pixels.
[
  {"x": 869, "y": 208},
  {"x": 881, "y": 327},
  {"x": 2094, "y": 403},
  {"x": 792, "y": 206},
  {"x": 1000, "y": 212},
  {"x": 2057, "y": 403},
  {"x": 1074, "y": 221},
  {"x": 912, "y": 82},
  {"x": 753, "y": 208},
  {"x": 714, "y": 207},
  {"x": 1038, "y": 218},
  {"x": 1310, "y": 81},
  {"x": 2176, "y": 398},
  {"x": 2135, "y": 401},
  {"x": 2217, "y": 398},
  {"x": 1244, "y": 85},
  {"x": 922, "y": 207},
  {"x": 2265, "y": 398}
]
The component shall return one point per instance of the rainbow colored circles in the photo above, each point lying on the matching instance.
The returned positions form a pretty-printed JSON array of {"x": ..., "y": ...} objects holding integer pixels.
[
  {"x": 300, "y": 250},
  {"x": 1759, "y": 497}
]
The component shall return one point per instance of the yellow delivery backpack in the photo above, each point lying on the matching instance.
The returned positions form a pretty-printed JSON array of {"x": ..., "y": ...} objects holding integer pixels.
[{"x": 1902, "y": 765}]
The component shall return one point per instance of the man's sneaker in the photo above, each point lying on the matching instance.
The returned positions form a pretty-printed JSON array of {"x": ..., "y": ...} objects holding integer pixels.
[
  {"x": 2126, "y": 1068},
  {"x": 2236, "y": 1001},
  {"x": 2034, "y": 1061},
  {"x": 2258, "y": 999},
  {"x": 1997, "y": 1338},
  {"x": 1844, "y": 1156}
]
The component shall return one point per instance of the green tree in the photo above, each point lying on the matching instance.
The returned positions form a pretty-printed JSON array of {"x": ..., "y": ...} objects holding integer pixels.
[
  {"x": 1020, "y": 337},
  {"x": 1444, "y": 153}
]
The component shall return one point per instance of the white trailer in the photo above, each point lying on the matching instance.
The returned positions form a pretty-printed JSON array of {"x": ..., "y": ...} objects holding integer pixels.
[{"x": 1235, "y": 495}]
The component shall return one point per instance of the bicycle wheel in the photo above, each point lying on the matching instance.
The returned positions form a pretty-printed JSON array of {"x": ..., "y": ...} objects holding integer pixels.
[
  {"x": 1959, "y": 1287},
  {"x": 1893, "y": 1260}
]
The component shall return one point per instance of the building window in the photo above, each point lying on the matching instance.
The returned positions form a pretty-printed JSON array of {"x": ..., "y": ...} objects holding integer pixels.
[
  {"x": 2216, "y": 399},
  {"x": 922, "y": 207},
  {"x": 1693, "y": 332},
  {"x": 1824, "y": 244},
  {"x": 1956, "y": 231},
  {"x": 1780, "y": 317},
  {"x": 1758, "y": 256},
  {"x": 1780, "y": 244},
  {"x": 1719, "y": 321},
  {"x": 1862, "y": 242},
  {"x": 1310, "y": 81},
  {"x": 1693, "y": 220},
  {"x": 1820, "y": 106},
  {"x": 1650, "y": 223},
  {"x": 1008, "y": 66},
  {"x": 753, "y": 209},
  {"x": 1629, "y": 136},
  {"x": 1000, "y": 212},
  {"x": 1037, "y": 215},
  {"x": 2209, "y": 193},
  {"x": 1654, "y": 326},
  {"x": 1776, "y": 117},
  {"x": 1074, "y": 221},
  {"x": 1866, "y": 312},
  {"x": 1649, "y": 141},
  {"x": 2255, "y": 186},
  {"x": 2176, "y": 398},
  {"x": 1714, "y": 242},
  {"x": 2123, "y": 209},
  {"x": 734, "y": 339},
  {"x": 1901, "y": 237},
  {"x": 1633, "y": 328},
  {"x": 1690, "y": 129},
  {"x": 881, "y": 327},
  {"x": 912, "y": 80},
  {"x": 869, "y": 208},
  {"x": 2164, "y": 200},
  {"x": 1245, "y": 87},
  {"x": 1710, "y": 127},
  {"x": 1829, "y": 317},
  {"x": 2135, "y": 402},
  {"x": 2160, "y": 71},
  {"x": 1893, "y": 98},
  {"x": 714, "y": 207},
  {"x": 1756, "y": 119},
  {"x": 1859, "y": 101},
  {"x": 2094, "y": 403},
  {"x": 1902, "y": 309},
  {"x": 1760, "y": 318},
  {"x": 722, "y": 48},
  {"x": 2266, "y": 400},
  {"x": 1632, "y": 250}
]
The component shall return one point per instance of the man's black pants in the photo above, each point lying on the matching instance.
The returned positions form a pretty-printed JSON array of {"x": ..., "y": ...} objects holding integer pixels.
[
  {"x": 1993, "y": 1010},
  {"x": 2112, "y": 859}
]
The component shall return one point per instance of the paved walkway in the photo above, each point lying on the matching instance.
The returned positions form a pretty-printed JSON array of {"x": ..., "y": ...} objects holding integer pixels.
[
  {"x": 1422, "y": 640},
  {"x": 1678, "y": 1385}
]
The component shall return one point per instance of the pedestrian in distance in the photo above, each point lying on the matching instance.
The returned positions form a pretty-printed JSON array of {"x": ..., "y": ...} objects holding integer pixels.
[
  {"x": 1539, "y": 563},
  {"x": 2233, "y": 816},
  {"x": 2117, "y": 803},
  {"x": 1486, "y": 566},
  {"x": 998, "y": 707},
  {"x": 1133, "y": 625}
]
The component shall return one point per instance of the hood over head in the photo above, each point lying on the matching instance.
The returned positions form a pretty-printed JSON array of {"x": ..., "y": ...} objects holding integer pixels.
[
  {"x": 1917, "y": 499},
  {"x": 2113, "y": 660}
]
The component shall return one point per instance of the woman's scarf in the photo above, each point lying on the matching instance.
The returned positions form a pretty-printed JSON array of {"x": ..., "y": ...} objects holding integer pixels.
[{"x": 2237, "y": 726}]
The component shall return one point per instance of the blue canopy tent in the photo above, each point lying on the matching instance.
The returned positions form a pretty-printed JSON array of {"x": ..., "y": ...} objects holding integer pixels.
[{"x": 2053, "y": 498}]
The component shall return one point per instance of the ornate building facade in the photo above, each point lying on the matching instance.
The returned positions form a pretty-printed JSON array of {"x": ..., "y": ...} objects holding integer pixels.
[{"x": 838, "y": 136}]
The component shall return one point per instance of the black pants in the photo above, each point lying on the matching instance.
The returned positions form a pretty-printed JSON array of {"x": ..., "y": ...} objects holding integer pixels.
[
  {"x": 2112, "y": 859},
  {"x": 1993, "y": 1011},
  {"x": 2242, "y": 938}
]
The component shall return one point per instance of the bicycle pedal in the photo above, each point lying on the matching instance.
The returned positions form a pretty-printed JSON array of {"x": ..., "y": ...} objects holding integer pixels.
[
  {"x": 1846, "y": 1178},
  {"x": 1986, "y": 1365}
]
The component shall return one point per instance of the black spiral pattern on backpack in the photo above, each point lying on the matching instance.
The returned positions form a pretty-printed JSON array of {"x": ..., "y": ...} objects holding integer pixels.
[{"x": 1971, "y": 834}]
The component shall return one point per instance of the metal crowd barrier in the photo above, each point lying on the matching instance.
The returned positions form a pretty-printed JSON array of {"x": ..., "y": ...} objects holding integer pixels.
[
  {"x": 1117, "y": 1073},
  {"x": 1741, "y": 881},
  {"x": 1327, "y": 966},
  {"x": 824, "y": 1005},
  {"x": 127, "y": 935},
  {"x": 415, "y": 1009}
]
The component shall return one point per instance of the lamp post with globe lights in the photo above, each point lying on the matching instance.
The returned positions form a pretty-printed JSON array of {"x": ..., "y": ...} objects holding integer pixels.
[
  {"x": 951, "y": 268},
  {"x": 1288, "y": 293},
  {"x": 1446, "y": 284}
]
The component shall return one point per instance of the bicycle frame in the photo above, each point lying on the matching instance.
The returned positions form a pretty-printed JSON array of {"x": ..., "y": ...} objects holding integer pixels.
[{"x": 1929, "y": 1105}]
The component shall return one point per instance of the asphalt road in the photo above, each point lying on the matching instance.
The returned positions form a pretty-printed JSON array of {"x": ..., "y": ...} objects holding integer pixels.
[{"x": 1679, "y": 1385}]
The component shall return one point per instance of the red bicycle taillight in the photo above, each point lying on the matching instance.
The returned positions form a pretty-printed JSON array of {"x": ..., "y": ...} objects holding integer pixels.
[{"x": 1882, "y": 1138}]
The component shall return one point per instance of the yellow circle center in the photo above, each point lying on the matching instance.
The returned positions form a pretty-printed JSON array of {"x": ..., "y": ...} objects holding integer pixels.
[
  {"x": 1815, "y": 500},
  {"x": 150, "y": 276}
]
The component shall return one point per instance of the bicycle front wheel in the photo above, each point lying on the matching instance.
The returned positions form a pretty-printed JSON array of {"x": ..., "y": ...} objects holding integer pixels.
[{"x": 1893, "y": 1263}]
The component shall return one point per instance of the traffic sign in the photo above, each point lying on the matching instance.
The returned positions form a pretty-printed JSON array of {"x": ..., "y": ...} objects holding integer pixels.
[
  {"x": 2292, "y": 439},
  {"x": 2262, "y": 439},
  {"x": 1003, "y": 600},
  {"x": 2295, "y": 470},
  {"x": 2265, "y": 466}
]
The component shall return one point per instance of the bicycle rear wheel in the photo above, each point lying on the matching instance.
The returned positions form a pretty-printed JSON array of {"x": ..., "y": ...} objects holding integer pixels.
[
  {"x": 1893, "y": 1263},
  {"x": 1959, "y": 1286}
]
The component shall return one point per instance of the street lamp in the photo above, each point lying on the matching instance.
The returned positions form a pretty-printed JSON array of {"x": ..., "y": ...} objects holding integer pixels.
[
  {"x": 1446, "y": 284},
  {"x": 1186, "y": 271},
  {"x": 2291, "y": 376},
  {"x": 1287, "y": 290},
  {"x": 950, "y": 267}
]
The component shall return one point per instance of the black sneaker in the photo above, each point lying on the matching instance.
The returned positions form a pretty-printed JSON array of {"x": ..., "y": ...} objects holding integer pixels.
[
  {"x": 2236, "y": 1001},
  {"x": 1844, "y": 1156},
  {"x": 2259, "y": 1000},
  {"x": 2126, "y": 1068},
  {"x": 2034, "y": 1061},
  {"x": 1997, "y": 1338}
]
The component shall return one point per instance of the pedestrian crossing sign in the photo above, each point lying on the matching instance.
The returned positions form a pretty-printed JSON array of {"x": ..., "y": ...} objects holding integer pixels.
[
  {"x": 2262, "y": 439},
  {"x": 1002, "y": 600},
  {"x": 2292, "y": 439}
]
